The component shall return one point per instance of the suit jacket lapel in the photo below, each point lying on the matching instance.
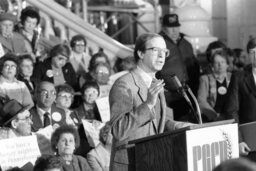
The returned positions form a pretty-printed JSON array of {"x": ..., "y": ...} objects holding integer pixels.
[
  {"x": 142, "y": 92},
  {"x": 163, "y": 112},
  {"x": 250, "y": 83},
  {"x": 37, "y": 123},
  {"x": 140, "y": 84}
]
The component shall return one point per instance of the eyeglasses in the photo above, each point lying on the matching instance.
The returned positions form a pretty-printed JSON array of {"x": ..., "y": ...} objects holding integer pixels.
[
  {"x": 46, "y": 93},
  {"x": 6, "y": 66},
  {"x": 157, "y": 50},
  {"x": 66, "y": 96},
  {"x": 80, "y": 45}
]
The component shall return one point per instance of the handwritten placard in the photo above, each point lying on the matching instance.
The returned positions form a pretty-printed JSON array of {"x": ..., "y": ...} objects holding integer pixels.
[
  {"x": 104, "y": 109},
  {"x": 17, "y": 152},
  {"x": 92, "y": 131},
  {"x": 44, "y": 139}
]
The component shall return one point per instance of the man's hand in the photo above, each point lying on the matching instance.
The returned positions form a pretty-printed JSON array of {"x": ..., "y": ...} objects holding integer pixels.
[
  {"x": 155, "y": 88},
  {"x": 243, "y": 149}
]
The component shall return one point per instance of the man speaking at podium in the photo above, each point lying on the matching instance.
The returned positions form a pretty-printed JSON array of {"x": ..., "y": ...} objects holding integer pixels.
[{"x": 137, "y": 102}]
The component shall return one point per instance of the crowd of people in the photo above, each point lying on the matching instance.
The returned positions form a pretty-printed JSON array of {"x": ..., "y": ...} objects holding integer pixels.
[{"x": 59, "y": 86}]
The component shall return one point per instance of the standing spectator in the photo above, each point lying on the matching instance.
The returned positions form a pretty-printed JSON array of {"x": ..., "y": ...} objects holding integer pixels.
[
  {"x": 44, "y": 113},
  {"x": 29, "y": 21},
  {"x": 9, "y": 85},
  {"x": 15, "y": 119},
  {"x": 56, "y": 69},
  {"x": 80, "y": 56},
  {"x": 180, "y": 62},
  {"x": 26, "y": 67},
  {"x": 64, "y": 141},
  {"x": 241, "y": 96},
  {"x": 65, "y": 95},
  {"x": 11, "y": 41},
  {"x": 213, "y": 88}
]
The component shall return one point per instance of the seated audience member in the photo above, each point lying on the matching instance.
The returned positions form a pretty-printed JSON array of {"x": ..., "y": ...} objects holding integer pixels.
[
  {"x": 98, "y": 58},
  {"x": 241, "y": 58},
  {"x": 88, "y": 108},
  {"x": 65, "y": 94},
  {"x": 211, "y": 48},
  {"x": 239, "y": 164},
  {"x": 231, "y": 60},
  {"x": 240, "y": 102},
  {"x": 44, "y": 113},
  {"x": 9, "y": 85},
  {"x": 56, "y": 69},
  {"x": 48, "y": 163},
  {"x": 15, "y": 119},
  {"x": 11, "y": 41},
  {"x": 29, "y": 20},
  {"x": 213, "y": 88},
  {"x": 125, "y": 64},
  {"x": 101, "y": 73},
  {"x": 99, "y": 157},
  {"x": 80, "y": 56},
  {"x": 26, "y": 67},
  {"x": 64, "y": 141}
]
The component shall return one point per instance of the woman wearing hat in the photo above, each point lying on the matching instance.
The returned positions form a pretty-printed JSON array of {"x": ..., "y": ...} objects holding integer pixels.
[
  {"x": 9, "y": 85},
  {"x": 56, "y": 69},
  {"x": 11, "y": 41}
]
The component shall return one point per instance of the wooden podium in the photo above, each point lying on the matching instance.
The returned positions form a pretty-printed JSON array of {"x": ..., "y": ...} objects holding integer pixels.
[{"x": 194, "y": 148}]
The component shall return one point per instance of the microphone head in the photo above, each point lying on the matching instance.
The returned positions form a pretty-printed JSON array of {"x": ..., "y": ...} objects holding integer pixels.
[{"x": 172, "y": 83}]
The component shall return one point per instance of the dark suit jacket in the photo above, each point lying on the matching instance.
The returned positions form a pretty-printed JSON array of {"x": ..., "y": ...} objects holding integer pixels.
[
  {"x": 241, "y": 97},
  {"x": 37, "y": 122},
  {"x": 131, "y": 118},
  {"x": 40, "y": 69}
]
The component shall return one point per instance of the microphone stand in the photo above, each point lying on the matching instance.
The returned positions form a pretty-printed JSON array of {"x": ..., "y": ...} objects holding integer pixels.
[{"x": 195, "y": 108}]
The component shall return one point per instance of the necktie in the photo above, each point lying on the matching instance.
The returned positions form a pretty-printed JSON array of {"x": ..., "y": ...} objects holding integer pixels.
[{"x": 47, "y": 121}]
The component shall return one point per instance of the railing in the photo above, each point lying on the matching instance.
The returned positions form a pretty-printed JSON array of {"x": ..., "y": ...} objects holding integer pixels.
[{"x": 77, "y": 25}]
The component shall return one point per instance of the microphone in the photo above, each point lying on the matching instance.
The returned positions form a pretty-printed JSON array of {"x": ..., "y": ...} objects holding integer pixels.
[{"x": 172, "y": 83}]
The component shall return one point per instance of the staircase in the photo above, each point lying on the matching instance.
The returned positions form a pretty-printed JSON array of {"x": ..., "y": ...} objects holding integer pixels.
[{"x": 76, "y": 25}]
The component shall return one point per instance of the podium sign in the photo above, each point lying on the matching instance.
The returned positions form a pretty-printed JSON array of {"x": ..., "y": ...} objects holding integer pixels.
[
  {"x": 210, "y": 146},
  {"x": 194, "y": 148}
]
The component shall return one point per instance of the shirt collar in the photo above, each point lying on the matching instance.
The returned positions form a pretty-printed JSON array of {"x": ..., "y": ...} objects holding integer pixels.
[
  {"x": 41, "y": 112},
  {"x": 145, "y": 77}
]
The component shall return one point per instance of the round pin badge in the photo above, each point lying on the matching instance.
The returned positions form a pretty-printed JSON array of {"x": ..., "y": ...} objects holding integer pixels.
[
  {"x": 56, "y": 116},
  {"x": 222, "y": 90},
  {"x": 49, "y": 73}
]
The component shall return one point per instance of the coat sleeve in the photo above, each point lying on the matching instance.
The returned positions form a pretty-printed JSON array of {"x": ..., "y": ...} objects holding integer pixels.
[
  {"x": 231, "y": 106},
  {"x": 126, "y": 117},
  {"x": 203, "y": 93},
  {"x": 94, "y": 164},
  {"x": 27, "y": 98}
]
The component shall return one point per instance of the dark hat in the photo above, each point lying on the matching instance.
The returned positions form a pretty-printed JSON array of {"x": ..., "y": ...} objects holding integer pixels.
[
  {"x": 10, "y": 110},
  {"x": 171, "y": 20},
  {"x": 8, "y": 16}
]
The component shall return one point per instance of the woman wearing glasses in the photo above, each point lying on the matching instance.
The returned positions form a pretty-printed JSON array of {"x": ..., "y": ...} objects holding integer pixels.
[{"x": 9, "y": 85}]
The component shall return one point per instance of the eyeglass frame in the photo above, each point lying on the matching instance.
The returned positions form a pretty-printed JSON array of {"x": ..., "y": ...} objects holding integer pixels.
[
  {"x": 46, "y": 94},
  {"x": 158, "y": 50},
  {"x": 27, "y": 118}
]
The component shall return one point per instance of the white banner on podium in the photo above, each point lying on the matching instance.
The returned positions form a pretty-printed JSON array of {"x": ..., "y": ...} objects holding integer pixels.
[{"x": 210, "y": 146}]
